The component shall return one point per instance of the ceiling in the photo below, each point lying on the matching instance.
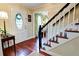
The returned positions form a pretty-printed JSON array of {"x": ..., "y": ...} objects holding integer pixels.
[{"x": 32, "y": 4}]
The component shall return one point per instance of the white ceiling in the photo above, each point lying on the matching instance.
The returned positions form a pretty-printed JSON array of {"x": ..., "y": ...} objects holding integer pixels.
[{"x": 32, "y": 4}]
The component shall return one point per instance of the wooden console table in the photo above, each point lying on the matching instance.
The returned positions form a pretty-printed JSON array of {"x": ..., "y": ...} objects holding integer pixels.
[{"x": 7, "y": 39}]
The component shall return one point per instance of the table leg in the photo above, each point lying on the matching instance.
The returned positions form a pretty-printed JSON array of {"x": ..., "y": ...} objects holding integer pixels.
[
  {"x": 8, "y": 44},
  {"x": 14, "y": 46},
  {"x": 3, "y": 48}
]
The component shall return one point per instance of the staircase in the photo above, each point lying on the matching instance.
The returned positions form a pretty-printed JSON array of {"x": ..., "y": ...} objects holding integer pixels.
[
  {"x": 70, "y": 32},
  {"x": 61, "y": 39}
]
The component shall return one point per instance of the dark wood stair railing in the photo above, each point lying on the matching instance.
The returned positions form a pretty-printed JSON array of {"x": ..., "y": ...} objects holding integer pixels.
[
  {"x": 56, "y": 15},
  {"x": 40, "y": 28}
]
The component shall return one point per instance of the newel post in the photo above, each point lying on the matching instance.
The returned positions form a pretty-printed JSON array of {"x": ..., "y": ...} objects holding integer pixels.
[{"x": 40, "y": 37}]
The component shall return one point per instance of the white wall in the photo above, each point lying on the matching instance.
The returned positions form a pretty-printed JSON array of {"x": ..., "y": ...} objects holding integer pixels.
[{"x": 26, "y": 31}]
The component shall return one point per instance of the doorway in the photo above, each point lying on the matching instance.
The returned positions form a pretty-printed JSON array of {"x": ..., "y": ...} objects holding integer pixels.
[{"x": 38, "y": 21}]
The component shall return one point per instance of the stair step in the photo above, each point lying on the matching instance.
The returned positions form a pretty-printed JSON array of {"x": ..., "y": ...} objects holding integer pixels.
[
  {"x": 76, "y": 23},
  {"x": 62, "y": 37},
  {"x": 47, "y": 44},
  {"x": 75, "y": 31},
  {"x": 53, "y": 44},
  {"x": 54, "y": 41}
]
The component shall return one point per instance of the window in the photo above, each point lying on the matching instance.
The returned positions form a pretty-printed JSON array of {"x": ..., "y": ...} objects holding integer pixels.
[{"x": 19, "y": 20}]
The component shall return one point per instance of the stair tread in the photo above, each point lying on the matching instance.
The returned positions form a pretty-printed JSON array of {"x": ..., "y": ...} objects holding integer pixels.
[
  {"x": 53, "y": 45},
  {"x": 44, "y": 53},
  {"x": 72, "y": 31},
  {"x": 76, "y": 23},
  {"x": 61, "y": 41},
  {"x": 62, "y": 37}
]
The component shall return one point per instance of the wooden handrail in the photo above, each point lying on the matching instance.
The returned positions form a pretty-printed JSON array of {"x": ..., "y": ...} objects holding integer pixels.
[
  {"x": 40, "y": 28},
  {"x": 55, "y": 15}
]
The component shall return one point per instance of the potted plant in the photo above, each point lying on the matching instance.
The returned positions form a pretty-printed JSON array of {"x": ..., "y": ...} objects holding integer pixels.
[{"x": 2, "y": 32}]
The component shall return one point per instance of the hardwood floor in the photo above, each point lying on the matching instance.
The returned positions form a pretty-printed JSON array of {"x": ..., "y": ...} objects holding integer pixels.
[{"x": 23, "y": 48}]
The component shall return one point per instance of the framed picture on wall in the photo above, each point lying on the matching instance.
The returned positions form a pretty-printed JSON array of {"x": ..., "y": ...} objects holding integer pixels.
[{"x": 29, "y": 18}]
